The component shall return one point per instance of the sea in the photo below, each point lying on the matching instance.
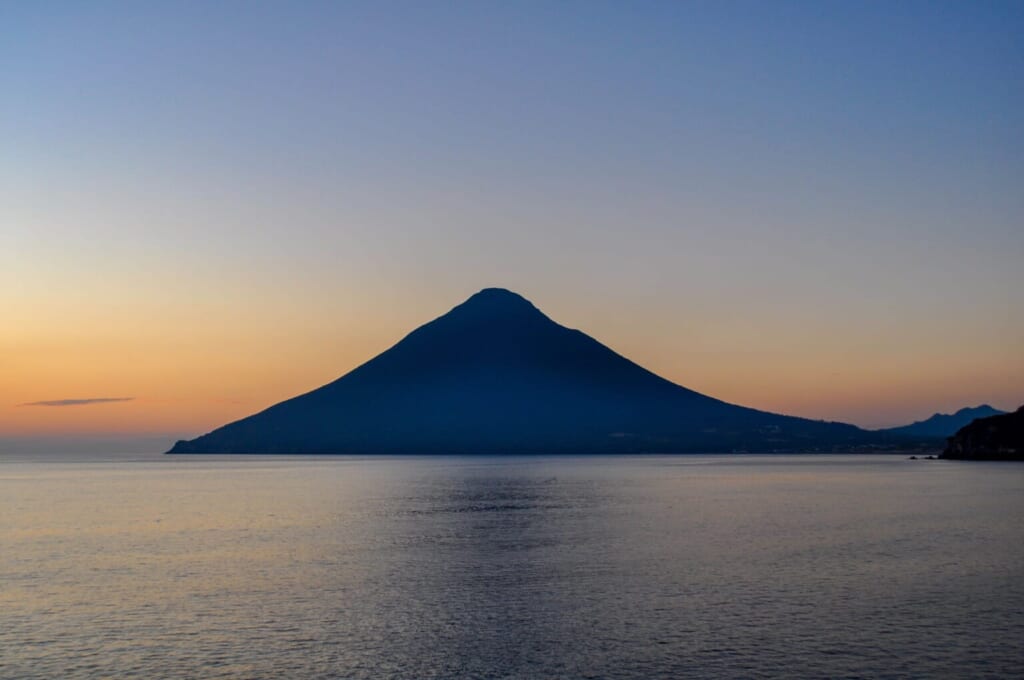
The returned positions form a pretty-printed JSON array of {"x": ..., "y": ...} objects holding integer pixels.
[{"x": 729, "y": 566}]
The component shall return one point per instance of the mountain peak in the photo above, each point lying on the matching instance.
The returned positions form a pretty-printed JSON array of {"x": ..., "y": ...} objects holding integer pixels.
[
  {"x": 496, "y": 303},
  {"x": 498, "y": 296},
  {"x": 983, "y": 408},
  {"x": 496, "y": 375}
]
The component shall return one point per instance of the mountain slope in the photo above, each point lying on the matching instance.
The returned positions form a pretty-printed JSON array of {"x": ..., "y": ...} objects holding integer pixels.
[
  {"x": 495, "y": 375},
  {"x": 944, "y": 424}
]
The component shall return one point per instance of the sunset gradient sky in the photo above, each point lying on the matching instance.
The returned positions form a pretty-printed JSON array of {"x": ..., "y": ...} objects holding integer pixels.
[{"x": 814, "y": 208}]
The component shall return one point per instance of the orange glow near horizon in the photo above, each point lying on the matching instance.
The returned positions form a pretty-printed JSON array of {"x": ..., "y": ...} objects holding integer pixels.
[{"x": 192, "y": 367}]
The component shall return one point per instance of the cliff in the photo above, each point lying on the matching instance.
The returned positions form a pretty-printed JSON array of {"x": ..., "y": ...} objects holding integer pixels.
[{"x": 994, "y": 438}]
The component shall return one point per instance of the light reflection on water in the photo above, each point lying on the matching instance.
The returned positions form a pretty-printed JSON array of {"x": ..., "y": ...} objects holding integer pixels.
[{"x": 707, "y": 566}]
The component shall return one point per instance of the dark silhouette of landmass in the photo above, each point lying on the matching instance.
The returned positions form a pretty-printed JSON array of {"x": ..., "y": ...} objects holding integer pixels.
[
  {"x": 994, "y": 438},
  {"x": 944, "y": 424},
  {"x": 495, "y": 375}
]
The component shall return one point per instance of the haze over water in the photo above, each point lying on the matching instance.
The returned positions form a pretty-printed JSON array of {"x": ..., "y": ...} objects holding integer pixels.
[{"x": 620, "y": 567}]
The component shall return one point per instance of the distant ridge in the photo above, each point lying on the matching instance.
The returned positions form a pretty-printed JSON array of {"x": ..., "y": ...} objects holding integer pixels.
[
  {"x": 943, "y": 424},
  {"x": 495, "y": 375}
]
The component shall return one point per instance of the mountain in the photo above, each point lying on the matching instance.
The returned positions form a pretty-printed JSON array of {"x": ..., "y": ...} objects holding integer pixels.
[
  {"x": 994, "y": 438},
  {"x": 495, "y": 375},
  {"x": 944, "y": 424}
]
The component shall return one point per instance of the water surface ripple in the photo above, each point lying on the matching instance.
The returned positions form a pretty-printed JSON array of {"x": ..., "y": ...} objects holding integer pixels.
[{"x": 433, "y": 567}]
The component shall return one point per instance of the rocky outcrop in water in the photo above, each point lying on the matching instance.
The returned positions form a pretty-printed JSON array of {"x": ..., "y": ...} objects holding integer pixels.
[{"x": 995, "y": 438}]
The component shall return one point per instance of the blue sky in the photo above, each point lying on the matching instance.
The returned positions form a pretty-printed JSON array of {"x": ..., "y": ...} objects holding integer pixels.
[{"x": 738, "y": 195}]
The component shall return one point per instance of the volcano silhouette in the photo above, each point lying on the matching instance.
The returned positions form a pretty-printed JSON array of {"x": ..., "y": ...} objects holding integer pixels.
[{"x": 495, "y": 375}]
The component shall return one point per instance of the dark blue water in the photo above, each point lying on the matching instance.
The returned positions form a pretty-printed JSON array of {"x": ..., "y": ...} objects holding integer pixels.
[{"x": 710, "y": 566}]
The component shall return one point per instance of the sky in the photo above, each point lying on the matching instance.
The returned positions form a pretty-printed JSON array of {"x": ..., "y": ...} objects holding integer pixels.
[{"x": 814, "y": 208}]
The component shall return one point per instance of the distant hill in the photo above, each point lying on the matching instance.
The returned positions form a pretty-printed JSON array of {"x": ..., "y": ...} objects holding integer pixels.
[
  {"x": 495, "y": 375},
  {"x": 995, "y": 438},
  {"x": 944, "y": 424}
]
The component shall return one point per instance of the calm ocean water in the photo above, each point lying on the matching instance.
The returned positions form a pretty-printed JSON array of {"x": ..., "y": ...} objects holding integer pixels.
[{"x": 697, "y": 566}]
